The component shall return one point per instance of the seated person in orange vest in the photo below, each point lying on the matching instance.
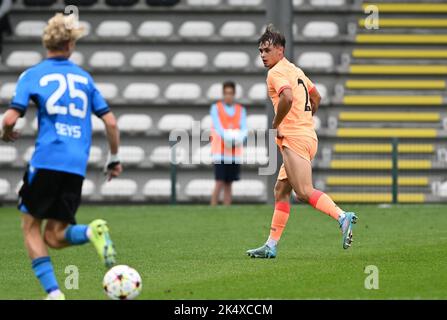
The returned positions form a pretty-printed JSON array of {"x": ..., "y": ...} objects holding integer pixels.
[{"x": 228, "y": 133}]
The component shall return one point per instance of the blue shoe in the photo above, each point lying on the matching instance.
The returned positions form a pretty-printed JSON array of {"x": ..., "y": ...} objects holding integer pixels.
[
  {"x": 264, "y": 252},
  {"x": 346, "y": 226}
]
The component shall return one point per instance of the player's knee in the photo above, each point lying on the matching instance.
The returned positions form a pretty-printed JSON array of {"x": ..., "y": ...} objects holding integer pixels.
[
  {"x": 281, "y": 193},
  {"x": 304, "y": 194}
]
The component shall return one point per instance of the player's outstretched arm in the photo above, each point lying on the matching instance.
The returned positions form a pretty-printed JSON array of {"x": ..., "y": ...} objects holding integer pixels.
[
  {"x": 284, "y": 106},
  {"x": 7, "y": 126},
  {"x": 315, "y": 99},
  {"x": 113, "y": 166}
]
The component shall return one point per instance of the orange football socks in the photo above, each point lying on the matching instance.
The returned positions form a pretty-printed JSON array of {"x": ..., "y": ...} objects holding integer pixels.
[
  {"x": 279, "y": 221},
  {"x": 321, "y": 201}
]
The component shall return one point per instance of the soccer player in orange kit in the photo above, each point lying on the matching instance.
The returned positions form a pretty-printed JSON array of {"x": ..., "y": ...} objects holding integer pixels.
[{"x": 295, "y": 99}]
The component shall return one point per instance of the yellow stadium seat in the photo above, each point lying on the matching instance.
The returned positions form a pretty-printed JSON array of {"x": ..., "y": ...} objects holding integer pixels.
[
  {"x": 401, "y": 38},
  {"x": 377, "y": 197},
  {"x": 397, "y": 69},
  {"x": 408, "y": 23},
  {"x": 396, "y": 84},
  {"x": 409, "y": 7},
  {"x": 375, "y": 181},
  {"x": 379, "y": 164},
  {"x": 392, "y": 100},
  {"x": 386, "y": 133},
  {"x": 382, "y": 148},
  {"x": 390, "y": 116}
]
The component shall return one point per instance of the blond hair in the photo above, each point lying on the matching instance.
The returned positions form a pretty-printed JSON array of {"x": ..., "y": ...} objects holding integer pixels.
[{"x": 60, "y": 30}]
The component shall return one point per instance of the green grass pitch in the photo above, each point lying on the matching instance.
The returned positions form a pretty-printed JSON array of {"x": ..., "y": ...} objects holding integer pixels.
[{"x": 198, "y": 252}]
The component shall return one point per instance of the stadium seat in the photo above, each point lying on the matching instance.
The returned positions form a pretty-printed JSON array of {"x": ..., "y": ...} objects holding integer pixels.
[
  {"x": 402, "y": 38},
  {"x": 327, "y": 3},
  {"x": 258, "y": 62},
  {"x": 95, "y": 156},
  {"x": 379, "y": 164},
  {"x": 206, "y": 122},
  {"x": 23, "y": 59},
  {"x": 7, "y": 91},
  {"x": 366, "y": 197},
  {"x": 158, "y": 189},
  {"x": 316, "y": 60},
  {"x": 8, "y": 154},
  {"x": 386, "y": 133},
  {"x": 189, "y": 60},
  {"x": 320, "y": 29},
  {"x": 114, "y": 28},
  {"x": 20, "y": 124},
  {"x": 88, "y": 188},
  {"x": 80, "y": 3},
  {"x": 245, "y": 2},
  {"x": 183, "y": 91},
  {"x": 393, "y": 100},
  {"x": 77, "y": 58},
  {"x": 28, "y": 154},
  {"x": 203, "y": 2},
  {"x": 35, "y": 125},
  {"x": 297, "y": 3},
  {"x": 396, "y": 84},
  {"x": 399, "y": 54},
  {"x": 258, "y": 92},
  {"x": 257, "y": 122},
  {"x": 134, "y": 123},
  {"x": 215, "y": 91},
  {"x": 196, "y": 29},
  {"x": 238, "y": 29},
  {"x": 231, "y": 60},
  {"x": 202, "y": 155},
  {"x": 148, "y": 59},
  {"x": 40, "y": 3},
  {"x": 390, "y": 116},
  {"x": 107, "y": 59},
  {"x": 375, "y": 181},
  {"x": 108, "y": 90},
  {"x": 121, "y": 3},
  {"x": 199, "y": 189},
  {"x": 119, "y": 189},
  {"x": 131, "y": 155},
  {"x": 170, "y": 122},
  {"x": 317, "y": 122},
  {"x": 155, "y": 29},
  {"x": 400, "y": 69},
  {"x": 253, "y": 190},
  {"x": 97, "y": 124},
  {"x": 408, "y": 23},
  {"x": 30, "y": 28},
  {"x": 161, "y": 155},
  {"x": 322, "y": 90},
  {"x": 5, "y": 188},
  {"x": 382, "y": 148},
  {"x": 406, "y": 7},
  {"x": 87, "y": 27},
  {"x": 141, "y": 91}
]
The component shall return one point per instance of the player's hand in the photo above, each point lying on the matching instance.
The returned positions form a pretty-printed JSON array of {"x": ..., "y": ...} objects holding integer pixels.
[
  {"x": 9, "y": 136},
  {"x": 113, "y": 167}
]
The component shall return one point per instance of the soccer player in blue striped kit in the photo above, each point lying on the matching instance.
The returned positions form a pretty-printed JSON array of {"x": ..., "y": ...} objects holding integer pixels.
[{"x": 66, "y": 97}]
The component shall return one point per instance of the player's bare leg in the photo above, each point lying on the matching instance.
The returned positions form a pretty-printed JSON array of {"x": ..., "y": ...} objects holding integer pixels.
[
  {"x": 299, "y": 173},
  {"x": 216, "y": 192},
  {"x": 54, "y": 234},
  {"x": 282, "y": 192},
  {"x": 227, "y": 193},
  {"x": 38, "y": 252}
]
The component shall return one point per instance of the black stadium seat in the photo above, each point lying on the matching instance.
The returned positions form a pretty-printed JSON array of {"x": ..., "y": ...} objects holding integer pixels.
[
  {"x": 119, "y": 3},
  {"x": 80, "y": 2},
  {"x": 39, "y": 2},
  {"x": 162, "y": 2}
]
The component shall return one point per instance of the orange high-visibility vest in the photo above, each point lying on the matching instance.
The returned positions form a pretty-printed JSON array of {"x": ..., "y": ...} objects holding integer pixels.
[{"x": 228, "y": 122}]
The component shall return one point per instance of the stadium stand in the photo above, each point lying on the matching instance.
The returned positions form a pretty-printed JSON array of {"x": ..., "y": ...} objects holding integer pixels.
[{"x": 160, "y": 69}]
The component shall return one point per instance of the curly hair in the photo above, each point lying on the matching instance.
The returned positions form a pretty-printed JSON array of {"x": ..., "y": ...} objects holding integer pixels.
[
  {"x": 60, "y": 30},
  {"x": 272, "y": 36}
]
